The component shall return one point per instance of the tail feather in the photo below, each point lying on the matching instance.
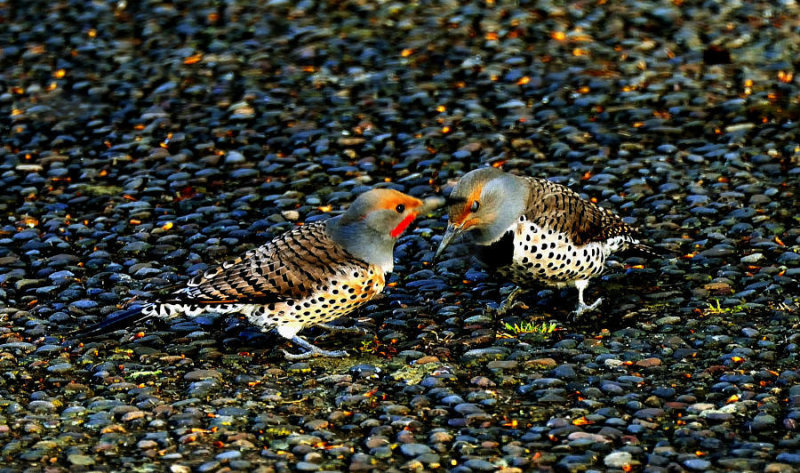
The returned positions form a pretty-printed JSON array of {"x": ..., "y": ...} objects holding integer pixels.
[
  {"x": 650, "y": 251},
  {"x": 114, "y": 322}
]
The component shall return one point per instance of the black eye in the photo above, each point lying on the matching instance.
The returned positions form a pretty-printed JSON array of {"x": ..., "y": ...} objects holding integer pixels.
[
  {"x": 400, "y": 208},
  {"x": 475, "y": 206}
]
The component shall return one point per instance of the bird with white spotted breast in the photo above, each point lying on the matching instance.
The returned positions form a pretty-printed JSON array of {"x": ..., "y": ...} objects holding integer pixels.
[
  {"x": 535, "y": 229},
  {"x": 308, "y": 276}
]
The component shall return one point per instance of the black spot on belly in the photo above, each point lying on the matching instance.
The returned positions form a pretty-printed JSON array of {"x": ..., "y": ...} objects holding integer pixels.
[{"x": 499, "y": 253}]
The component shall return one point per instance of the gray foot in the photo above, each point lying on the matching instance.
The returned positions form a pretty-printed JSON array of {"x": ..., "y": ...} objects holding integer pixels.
[
  {"x": 312, "y": 351},
  {"x": 586, "y": 308},
  {"x": 509, "y": 303},
  {"x": 339, "y": 330}
]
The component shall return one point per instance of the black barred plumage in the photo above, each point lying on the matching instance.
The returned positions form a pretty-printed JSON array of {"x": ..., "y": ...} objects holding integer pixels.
[
  {"x": 308, "y": 276},
  {"x": 547, "y": 232}
]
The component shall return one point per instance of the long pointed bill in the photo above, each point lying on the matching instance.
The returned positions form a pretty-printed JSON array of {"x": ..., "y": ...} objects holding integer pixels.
[{"x": 451, "y": 232}]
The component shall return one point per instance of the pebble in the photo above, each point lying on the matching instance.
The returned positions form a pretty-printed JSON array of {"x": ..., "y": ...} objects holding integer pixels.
[
  {"x": 80, "y": 460},
  {"x": 617, "y": 459},
  {"x": 697, "y": 464},
  {"x": 415, "y": 449},
  {"x": 199, "y": 375}
]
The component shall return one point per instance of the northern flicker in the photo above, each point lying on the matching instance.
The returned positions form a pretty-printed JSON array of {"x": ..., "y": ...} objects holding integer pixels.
[
  {"x": 308, "y": 276},
  {"x": 535, "y": 229}
]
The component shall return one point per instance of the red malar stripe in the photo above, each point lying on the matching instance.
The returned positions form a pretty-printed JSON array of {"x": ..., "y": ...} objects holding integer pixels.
[{"x": 403, "y": 225}]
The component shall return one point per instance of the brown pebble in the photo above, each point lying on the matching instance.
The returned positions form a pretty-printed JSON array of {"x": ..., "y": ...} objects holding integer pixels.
[
  {"x": 426, "y": 359},
  {"x": 541, "y": 363},
  {"x": 648, "y": 362},
  {"x": 718, "y": 288}
]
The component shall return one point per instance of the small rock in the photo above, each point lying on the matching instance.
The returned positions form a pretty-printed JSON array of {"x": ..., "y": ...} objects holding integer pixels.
[
  {"x": 648, "y": 363},
  {"x": 752, "y": 258},
  {"x": 199, "y": 375},
  {"x": 618, "y": 459},
  {"x": 80, "y": 460},
  {"x": 234, "y": 157},
  {"x": 307, "y": 466},
  {"x": 697, "y": 464},
  {"x": 415, "y": 449},
  {"x": 541, "y": 364}
]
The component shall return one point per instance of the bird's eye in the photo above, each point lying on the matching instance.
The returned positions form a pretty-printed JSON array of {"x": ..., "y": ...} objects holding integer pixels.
[
  {"x": 475, "y": 206},
  {"x": 400, "y": 208}
]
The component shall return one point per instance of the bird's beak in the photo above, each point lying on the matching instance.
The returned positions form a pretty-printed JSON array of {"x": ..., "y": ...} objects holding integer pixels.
[{"x": 451, "y": 232}]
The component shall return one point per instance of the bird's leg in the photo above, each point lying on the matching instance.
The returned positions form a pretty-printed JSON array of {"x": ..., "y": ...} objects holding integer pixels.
[
  {"x": 582, "y": 307},
  {"x": 509, "y": 302},
  {"x": 340, "y": 330},
  {"x": 312, "y": 351}
]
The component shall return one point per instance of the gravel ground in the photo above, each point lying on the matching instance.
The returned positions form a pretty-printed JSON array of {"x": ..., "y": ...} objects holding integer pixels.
[{"x": 144, "y": 141}]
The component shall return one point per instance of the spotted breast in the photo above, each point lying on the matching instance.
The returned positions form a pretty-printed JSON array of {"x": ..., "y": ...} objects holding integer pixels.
[
  {"x": 301, "y": 279},
  {"x": 535, "y": 229},
  {"x": 562, "y": 238}
]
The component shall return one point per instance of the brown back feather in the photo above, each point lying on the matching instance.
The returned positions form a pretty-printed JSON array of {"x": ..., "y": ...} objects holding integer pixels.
[
  {"x": 558, "y": 207},
  {"x": 289, "y": 267}
]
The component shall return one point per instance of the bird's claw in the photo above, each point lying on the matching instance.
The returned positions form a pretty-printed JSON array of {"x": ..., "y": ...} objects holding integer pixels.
[
  {"x": 583, "y": 308},
  {"x": 339, "y": 330},
  {"x": 509, "y": 303},
  {"x": 314, "y": 354},
  {"x": 312, "y": 351}
]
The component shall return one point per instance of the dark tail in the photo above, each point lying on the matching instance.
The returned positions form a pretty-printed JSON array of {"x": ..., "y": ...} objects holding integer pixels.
[
  {"x": 114, "y": 322},
  {"x": 641, "y": 249}
]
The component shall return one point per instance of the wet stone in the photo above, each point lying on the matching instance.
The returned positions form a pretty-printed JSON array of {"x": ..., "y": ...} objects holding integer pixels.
[
  {"x": 565, "y": 372},
  {"x": 617, "y": 459},
  {"x": 415, "y": 449},
  {"x": 480, "y": 465},
  {"x": 208, "y": 466},
  {"x": 199, "y": 375},
  {"x": 778, "y": 468},
  {"x": 484, "y": 355},
  {"x": 790, "y": 458},
  {"x": 696, "y": 464}
]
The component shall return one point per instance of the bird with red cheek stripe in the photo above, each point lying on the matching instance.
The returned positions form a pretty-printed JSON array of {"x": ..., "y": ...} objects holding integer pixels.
[{"x": 308, "y": 276}]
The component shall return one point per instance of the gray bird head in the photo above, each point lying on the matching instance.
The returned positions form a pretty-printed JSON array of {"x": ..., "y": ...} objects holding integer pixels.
[
  {"x": 374, "y": 221},
  {"x": 485, "y": 201}
]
